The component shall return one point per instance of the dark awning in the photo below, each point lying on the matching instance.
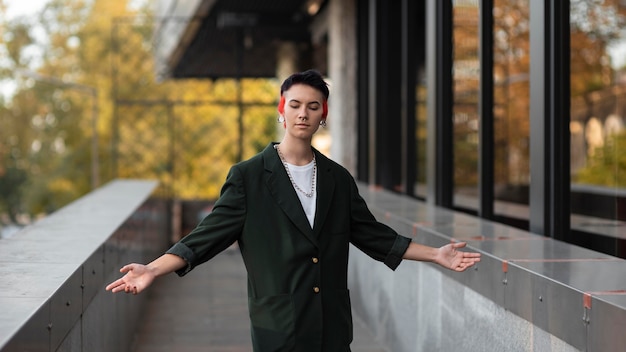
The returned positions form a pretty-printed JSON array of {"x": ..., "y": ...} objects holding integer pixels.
[{"x": 239, "y": 38}]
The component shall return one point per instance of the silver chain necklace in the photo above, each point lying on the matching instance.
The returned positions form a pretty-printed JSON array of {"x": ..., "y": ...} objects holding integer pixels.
[{"x": 282, "y": 158}]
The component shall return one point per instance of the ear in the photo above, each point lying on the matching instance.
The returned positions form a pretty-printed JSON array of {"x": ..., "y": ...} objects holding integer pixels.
[
  {"x": 325, "y": 109},
  {"x": 281, "y": 105}
]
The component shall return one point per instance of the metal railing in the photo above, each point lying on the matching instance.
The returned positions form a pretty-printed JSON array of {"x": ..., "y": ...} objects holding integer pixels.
[{"x": 528, "y": 293}]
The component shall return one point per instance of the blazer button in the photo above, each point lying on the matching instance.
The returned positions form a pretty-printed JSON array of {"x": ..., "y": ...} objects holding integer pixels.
[
  {"x": 316, "y": 289},
  {"x": 315, "y": 260}
]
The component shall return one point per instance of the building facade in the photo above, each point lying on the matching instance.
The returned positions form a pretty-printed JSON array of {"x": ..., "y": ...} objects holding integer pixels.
[{"x": 511, "y": 111}]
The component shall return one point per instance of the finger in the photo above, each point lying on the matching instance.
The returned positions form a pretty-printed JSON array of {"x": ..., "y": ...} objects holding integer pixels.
[
  {"x": 115, "y": 288},
  {"x": 114, "y": 284},
  {"x": 471, "y": 260},
  {"x": 457, "y": 245},
  {"x": 465, "y": 266}
]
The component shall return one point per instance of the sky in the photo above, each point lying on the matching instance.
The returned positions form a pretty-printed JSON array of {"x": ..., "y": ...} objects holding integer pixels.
[
  {"x": 17, "y": 8},
  {"x": 23, "y": 7}
]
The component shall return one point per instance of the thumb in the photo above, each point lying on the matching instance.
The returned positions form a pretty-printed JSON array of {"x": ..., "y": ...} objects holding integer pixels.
[
  {"x": 127, "y": 268},
  {"x": 457, "y": 245}
]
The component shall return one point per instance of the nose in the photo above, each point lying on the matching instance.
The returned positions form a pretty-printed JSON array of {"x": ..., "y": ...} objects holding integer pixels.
[{"x": 302, "y": 114}]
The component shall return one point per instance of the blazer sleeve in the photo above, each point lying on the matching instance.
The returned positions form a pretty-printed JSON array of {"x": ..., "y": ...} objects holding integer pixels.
[
  {"x": 218, "y": 230},
  {"x": 374, "y": 238}
]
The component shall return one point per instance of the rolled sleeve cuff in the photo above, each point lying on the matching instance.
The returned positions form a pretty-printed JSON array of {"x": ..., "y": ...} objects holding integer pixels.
[
  {"x": 394, "y": 258},
  {"x": 181, "y": 250}
]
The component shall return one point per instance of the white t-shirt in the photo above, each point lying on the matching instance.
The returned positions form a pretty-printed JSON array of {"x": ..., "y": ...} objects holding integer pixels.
[{"x": 302, "y": 177}]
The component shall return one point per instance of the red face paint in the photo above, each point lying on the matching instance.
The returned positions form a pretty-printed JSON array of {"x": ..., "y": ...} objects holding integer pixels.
[{"x": 281, "y": 106}]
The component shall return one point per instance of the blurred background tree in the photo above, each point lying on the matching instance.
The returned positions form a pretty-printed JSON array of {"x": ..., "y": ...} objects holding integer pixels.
[
  {"x": 597, "y": 77},
  {"x": 606, "y": 164},
  {"x": 183, "y": 133}
]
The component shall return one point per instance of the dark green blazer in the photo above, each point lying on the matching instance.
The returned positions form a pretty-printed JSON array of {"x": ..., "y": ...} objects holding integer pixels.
[{"x": 297, "y": 275}]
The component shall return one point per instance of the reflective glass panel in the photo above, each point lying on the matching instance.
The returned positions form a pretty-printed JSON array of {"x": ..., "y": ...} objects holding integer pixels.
[
  {"x": 511, "y": 108},
  {"x": 465, "y": 114},
  {"x": 597, "y": 124},
  {"x": 421, "y": 94}
]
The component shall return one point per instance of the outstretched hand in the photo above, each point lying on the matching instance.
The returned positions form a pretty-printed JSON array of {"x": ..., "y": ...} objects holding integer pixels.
[
  {"x": 138, "y": 277},
  {"x": 450, "y": 257}
]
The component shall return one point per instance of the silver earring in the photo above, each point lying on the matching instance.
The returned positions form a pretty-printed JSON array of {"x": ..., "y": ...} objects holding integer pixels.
[
  {"x": 280, "y": 119},
  {"x": 323, "y": 123}
]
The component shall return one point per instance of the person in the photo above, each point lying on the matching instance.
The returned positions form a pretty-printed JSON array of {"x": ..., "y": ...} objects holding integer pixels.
[{"x": 293, "y": 213}]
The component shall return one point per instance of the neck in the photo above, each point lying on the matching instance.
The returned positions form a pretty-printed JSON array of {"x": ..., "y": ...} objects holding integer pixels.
[{"x": 296, "y": 153}]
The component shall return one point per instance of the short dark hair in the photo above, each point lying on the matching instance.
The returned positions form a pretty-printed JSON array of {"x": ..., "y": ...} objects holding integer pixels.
[{"x": 311, "y": 78}]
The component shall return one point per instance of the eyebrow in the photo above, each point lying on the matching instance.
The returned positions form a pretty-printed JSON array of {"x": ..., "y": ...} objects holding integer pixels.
[{"x": 298, "y": 101}]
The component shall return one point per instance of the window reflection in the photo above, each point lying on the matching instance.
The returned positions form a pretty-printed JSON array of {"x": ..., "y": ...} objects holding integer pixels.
[
  {"x": 421, "y": 119},
  {"x": 466, "y": 80},
  {"x": 511, "y": 108},
  {"x": 421, "y": 110},
  {"x": 598, "y": 109}
]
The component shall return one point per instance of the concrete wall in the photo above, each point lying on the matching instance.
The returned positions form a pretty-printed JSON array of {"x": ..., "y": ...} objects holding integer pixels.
[
  {"x": 417, "y": 308},
  {"x": 342, "y": 63},
  {"x": 54, "y": 272}
]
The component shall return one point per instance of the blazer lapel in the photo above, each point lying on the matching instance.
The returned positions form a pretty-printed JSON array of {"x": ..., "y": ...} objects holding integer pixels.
[
  {"x": 325, "y": 189},
  {"x": 281, "y": 189}
]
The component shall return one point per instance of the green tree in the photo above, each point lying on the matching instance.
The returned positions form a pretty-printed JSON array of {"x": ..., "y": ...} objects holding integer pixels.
[
  {"x": 58, "y": 155},
  {"x": 183, "y": 133}
]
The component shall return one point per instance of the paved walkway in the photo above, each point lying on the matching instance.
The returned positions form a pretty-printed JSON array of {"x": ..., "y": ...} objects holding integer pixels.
[{"x": 207, "y": 311}]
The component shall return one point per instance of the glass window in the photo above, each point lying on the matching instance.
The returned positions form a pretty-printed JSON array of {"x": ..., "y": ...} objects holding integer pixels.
[
  {"x": 421, "y": 119},
  {"x": 421, "y": 95},
  {"x": 598, "y": 118},
  {"x": 466, "y": 82},
  {"x": 511, "y": 109}
]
